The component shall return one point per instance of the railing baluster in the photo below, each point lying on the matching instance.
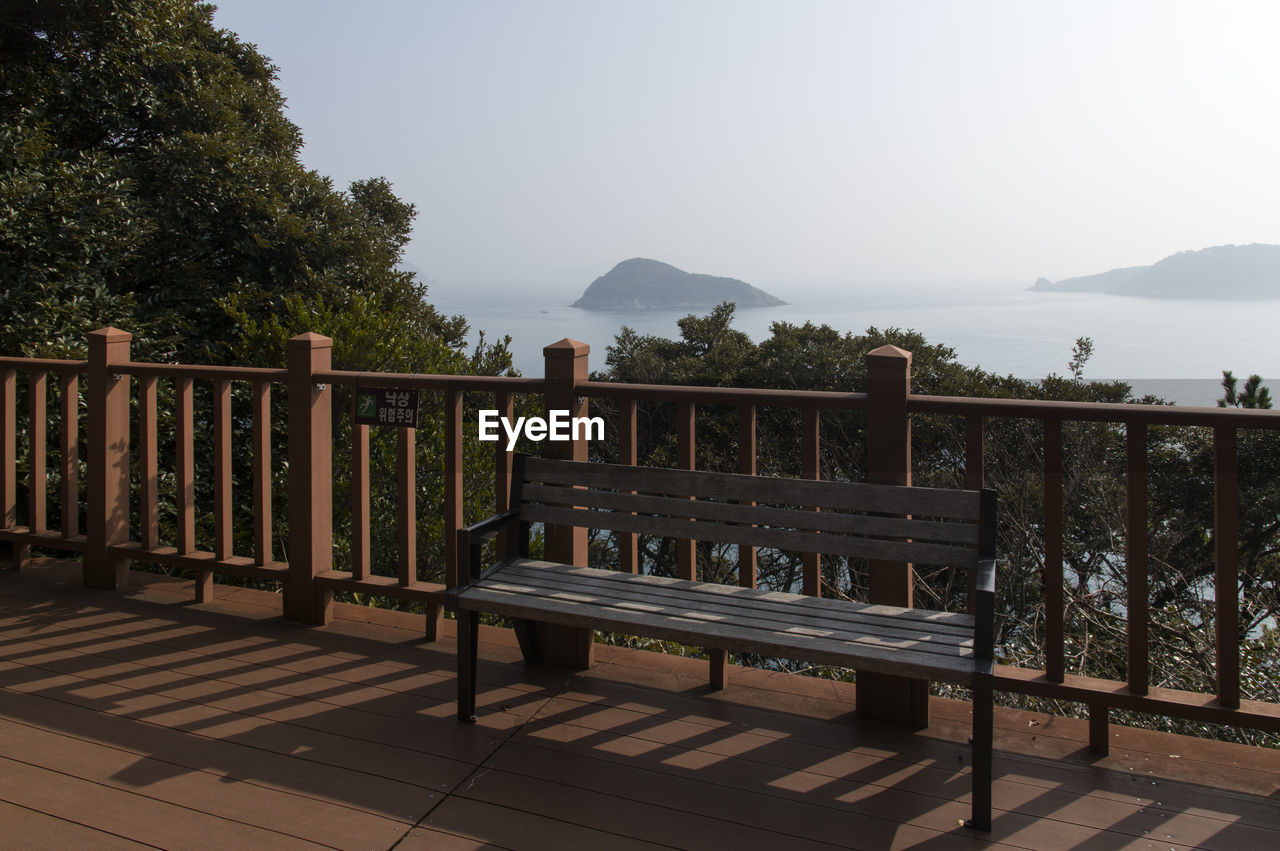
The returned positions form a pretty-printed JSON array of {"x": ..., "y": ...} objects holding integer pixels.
[
  {"x": 686, "y": 549},
  {"x": 185, "y": 498},
  {"x": 628, "y": 453},
  {"x": 38, "y": 489},
  {"x": 70, "y": 454},
  {"x": 361, "y": 550},
  {"x": 974, "y": 478},
  {"x": 747, "y": 466},
  {"x": 1136, "y": 557},
  {"x": 261, "y": 472},
  {"x": 453, "y": 472},
  {"x": 1226, "y": 575},
  {"x": 1054, "y": 664},
  {"x": 149, "y": 476},
  {"x": 9, "y": 448},
  {"x": 222, "y": 469},
  {"x": 810, "y": 424},
  {"x": 974, "y": 473},
  {"x": 406, "y": 486},
  {"x": 505, "y": 404}
]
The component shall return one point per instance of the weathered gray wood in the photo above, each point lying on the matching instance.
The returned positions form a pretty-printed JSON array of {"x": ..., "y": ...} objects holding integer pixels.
[
  {"x": 676, "y": 527},
  {"x": 779, "y": 621},
  {"x": 586, "y": 596},
  {"x": 843, "y": 496},
  {"x": 956, "y": 622},
  {"x": 768, "y": 614},
  {"x": 749, "y": 515},
  {"x": 517, "y": 601}
]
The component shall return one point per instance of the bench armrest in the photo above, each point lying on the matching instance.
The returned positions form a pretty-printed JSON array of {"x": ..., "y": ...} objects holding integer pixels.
[
  {"x": 472, "y": 538},
  {"x": 490, "y": 526},
  {"x": 984, "y": 610}
]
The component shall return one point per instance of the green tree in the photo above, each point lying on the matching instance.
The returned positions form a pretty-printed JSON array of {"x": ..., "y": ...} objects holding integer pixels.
[
  {"x": 1254, "y": 394},
  {"x": 149, "y": 178}
]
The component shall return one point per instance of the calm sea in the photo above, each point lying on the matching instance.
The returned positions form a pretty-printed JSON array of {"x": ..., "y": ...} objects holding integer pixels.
[{"x": 1175, "y": 349}]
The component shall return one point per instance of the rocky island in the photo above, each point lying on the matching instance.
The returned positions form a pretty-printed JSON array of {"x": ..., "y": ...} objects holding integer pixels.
[
  {"x": 649, "y": 284},
  {"x": 1221, "y": 272}
]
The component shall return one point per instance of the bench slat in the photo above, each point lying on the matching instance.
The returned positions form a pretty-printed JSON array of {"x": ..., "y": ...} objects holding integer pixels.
[
  {"x": 804, "y": 542},
  {"x": 769, "y": 614},
  {"x": 843, "y": 496},
  {"x": 749, "y": 515}
]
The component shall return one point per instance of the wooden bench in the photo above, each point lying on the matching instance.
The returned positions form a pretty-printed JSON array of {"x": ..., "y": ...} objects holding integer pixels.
[{"x": 877, "y": 522}]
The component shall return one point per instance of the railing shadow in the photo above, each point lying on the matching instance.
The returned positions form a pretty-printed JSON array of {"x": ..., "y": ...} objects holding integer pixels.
[{"x": 176, "y": 690}]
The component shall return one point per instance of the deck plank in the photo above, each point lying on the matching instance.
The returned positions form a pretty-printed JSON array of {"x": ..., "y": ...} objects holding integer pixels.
[
  {"x": 517, "y": 827},
  {"x": 132, "y": 816},
  {"x": 22, "y": 824},
  {"x": 220, "y": 795},
  {"x": 876, "y": 784}
]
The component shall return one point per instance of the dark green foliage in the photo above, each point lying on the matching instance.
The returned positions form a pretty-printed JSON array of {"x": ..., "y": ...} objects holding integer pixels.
[
  {"x": 1254, "y": 394},
  {"x": 149, "y": 179}
]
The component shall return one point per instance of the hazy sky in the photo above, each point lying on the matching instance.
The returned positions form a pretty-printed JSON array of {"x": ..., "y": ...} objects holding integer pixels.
[{"x": 807, "y": 143}]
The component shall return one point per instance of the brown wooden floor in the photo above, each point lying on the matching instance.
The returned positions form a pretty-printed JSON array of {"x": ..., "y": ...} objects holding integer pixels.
[{"x": 141, "y": 719}]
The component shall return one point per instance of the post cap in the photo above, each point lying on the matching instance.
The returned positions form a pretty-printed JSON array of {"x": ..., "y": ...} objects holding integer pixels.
[
  {"x": 111, "y": 335},
  {"x": 889, "y": 356},
  {"x": 566, "y": 348},
  {"x": 311, "y": 340}
]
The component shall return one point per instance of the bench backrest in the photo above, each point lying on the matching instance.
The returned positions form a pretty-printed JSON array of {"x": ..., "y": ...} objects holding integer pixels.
[{"x": 922, "y": 525}]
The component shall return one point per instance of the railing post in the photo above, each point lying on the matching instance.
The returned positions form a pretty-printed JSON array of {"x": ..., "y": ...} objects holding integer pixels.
[
  {"x": 310, "y": 479},
  {"x": 1226, "y": 557},
  {"x": 565, "y": 367},
  {"x": 9, "y": 459},
  {"x": 108, "y": 497},
  {"x": 882, "y": 696}
]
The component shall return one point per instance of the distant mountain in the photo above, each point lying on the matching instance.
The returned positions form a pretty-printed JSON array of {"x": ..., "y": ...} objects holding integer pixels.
[
  {"x": 1221, "y": 272},
  {"x": 646, "y": 284}
]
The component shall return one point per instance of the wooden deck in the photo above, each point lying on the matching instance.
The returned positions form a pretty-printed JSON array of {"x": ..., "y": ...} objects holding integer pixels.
[{"x": 138, "y": 718}]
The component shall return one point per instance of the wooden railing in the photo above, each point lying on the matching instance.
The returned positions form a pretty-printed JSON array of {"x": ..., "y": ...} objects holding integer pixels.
[
  {"x": 309, "y": 577},
  {"x": 1226, "y": 705}
]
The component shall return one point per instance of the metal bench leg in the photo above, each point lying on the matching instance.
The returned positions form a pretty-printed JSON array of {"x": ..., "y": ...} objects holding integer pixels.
[
  {"x": 983, "y": 732},
  {"x": 468, "y": 638}
]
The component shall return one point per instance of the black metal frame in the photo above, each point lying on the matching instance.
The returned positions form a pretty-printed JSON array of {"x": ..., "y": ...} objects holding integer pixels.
[
  {"x": 984, "y": 663},
  {"x": 471, "y": 541}
]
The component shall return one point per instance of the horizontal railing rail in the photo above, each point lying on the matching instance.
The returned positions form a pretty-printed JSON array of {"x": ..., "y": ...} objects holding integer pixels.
[
  {"x": 410, "y": 381},
  {"x": 727, "y": 395},
  {"x": 1116, "y": 412}
]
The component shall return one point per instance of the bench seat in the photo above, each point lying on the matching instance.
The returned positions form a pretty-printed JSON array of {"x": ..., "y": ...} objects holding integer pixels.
[{"x": 909, "y": 642}]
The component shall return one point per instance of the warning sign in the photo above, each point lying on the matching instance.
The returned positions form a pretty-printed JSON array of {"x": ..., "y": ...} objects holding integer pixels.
[{"x": 381, "y": 406}]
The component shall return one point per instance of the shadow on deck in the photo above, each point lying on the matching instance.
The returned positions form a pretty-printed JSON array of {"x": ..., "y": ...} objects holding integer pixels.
[{"x": 143, "y": 718}]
